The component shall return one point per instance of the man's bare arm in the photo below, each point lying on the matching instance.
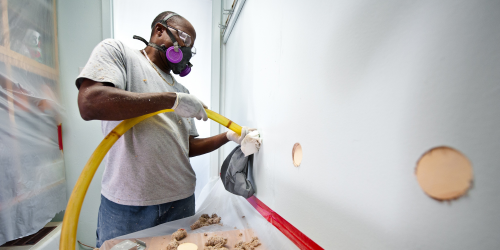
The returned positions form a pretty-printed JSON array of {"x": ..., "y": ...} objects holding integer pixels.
[
  {"x": 100, "y": 101},
  {"x": 206, "y": 145}
]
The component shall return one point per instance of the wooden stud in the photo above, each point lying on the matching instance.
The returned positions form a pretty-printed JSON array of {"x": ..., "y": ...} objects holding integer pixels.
[
  {"x": 5, "y": 24},
  {"x": 56, "y": 45},
  {"x": 6, "y": 43},
  {"x": 20, "y": 61}
]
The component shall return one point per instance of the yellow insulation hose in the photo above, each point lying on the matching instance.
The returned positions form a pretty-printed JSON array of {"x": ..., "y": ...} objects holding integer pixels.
[{"x": 72, "y": 214}]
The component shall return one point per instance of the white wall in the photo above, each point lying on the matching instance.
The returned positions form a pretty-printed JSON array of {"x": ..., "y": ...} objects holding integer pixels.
[
  {"x": 135, "y": 18},
  {"x": 367, "y": 87},
  {"x": 79, "y": 31}
]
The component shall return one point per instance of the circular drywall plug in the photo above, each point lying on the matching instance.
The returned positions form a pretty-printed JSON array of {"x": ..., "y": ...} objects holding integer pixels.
[
  {"x": 187, "y": 246},
  {"x": 444, "y": 173},
  {"x": 297, "y": 154}
]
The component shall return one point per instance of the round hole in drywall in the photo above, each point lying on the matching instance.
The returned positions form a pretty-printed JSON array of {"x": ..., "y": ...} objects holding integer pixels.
[
  {"x": 297, "y": 154},
  {"x": 444, "y": 173}
]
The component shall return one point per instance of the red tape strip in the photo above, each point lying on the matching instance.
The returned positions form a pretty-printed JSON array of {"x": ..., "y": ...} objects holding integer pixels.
[
  {"x": 59, "y": 136},
  {"x": 296, "y": 236}
]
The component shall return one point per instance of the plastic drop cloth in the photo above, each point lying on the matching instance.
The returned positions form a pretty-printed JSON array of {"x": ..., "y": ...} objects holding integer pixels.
[
  {"x": 231, "y": 208},
  {"x": 32, "y": 179}
]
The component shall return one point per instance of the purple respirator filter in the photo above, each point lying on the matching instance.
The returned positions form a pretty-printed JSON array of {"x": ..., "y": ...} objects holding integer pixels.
[
  {"x": 173, "y": 56},
  {"x": 185, "y": 71}
]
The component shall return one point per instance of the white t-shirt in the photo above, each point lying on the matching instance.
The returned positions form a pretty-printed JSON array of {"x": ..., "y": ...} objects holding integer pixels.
[{"x": 149, "y": 164}]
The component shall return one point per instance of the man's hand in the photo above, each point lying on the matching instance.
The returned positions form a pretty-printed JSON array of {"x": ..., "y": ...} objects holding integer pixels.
[
  {"x": 232, "y": 136},
  {"x": 189, "y": 106}
]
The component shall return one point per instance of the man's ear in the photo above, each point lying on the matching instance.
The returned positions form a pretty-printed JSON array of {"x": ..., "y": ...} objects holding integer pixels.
[{"x": 159, "y": 29}]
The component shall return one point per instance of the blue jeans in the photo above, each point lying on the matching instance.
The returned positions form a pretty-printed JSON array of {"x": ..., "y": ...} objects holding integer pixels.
[{"x": 115, "y": 220}]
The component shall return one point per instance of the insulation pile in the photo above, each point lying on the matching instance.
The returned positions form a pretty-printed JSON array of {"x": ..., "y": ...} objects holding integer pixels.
[
  {"x": 248, "y": 245},
  {"x": 177, "y": 236},
  {"x": 206, "y": 220},
  {"x": 216, "y": 243},
  {"x": 172, "y": 245}
]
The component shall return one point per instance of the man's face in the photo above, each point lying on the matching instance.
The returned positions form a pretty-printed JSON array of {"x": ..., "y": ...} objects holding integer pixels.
[{"x": 181, "y": 25}]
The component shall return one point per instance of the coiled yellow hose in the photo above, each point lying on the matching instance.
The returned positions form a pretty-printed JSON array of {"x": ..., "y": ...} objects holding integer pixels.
[{"x": 72, "y": 214}]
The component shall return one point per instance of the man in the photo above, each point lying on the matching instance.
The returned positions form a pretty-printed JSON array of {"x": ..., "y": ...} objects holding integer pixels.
[{"x": 148, "y": 179}]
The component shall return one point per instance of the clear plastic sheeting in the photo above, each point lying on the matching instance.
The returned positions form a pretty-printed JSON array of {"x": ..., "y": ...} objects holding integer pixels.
[
  {"x": 32, "y": 179},
  {"x": 235, "y": 211}
]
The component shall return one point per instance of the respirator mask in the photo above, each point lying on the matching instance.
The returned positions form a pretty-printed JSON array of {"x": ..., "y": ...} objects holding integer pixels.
[{"x": 177, "y": 57}]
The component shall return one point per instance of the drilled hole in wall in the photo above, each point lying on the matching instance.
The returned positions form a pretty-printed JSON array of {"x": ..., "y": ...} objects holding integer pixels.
[
  {"x": 444, "y": 173},
  {"x": 297, "y": 154}
]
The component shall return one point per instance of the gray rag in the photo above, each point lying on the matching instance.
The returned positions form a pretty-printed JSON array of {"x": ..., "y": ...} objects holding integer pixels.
[{"x": 236, "y": 172}]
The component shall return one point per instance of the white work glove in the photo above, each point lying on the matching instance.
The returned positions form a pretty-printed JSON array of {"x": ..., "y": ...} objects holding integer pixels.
[
  {"x": 251, "y": 143},
  {"x": 189, "y": 106},
  {"x": 232, "y": 136}
]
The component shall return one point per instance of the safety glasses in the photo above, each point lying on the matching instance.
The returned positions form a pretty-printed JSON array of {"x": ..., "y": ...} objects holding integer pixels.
[{"x": 185, "y": 38}]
